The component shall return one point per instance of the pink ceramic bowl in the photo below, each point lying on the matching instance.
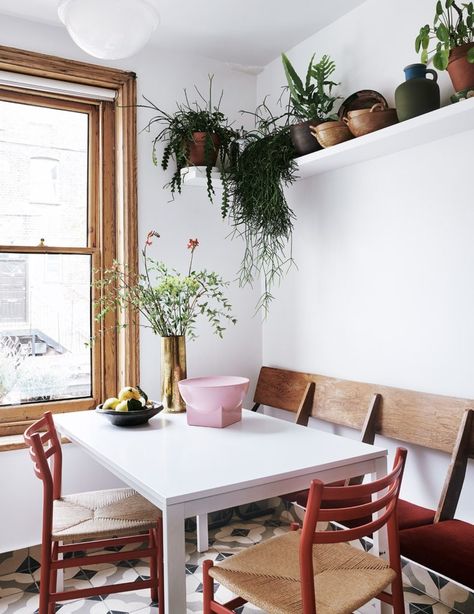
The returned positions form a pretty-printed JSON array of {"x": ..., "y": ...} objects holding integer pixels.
[{"x": 214, "y": 401}]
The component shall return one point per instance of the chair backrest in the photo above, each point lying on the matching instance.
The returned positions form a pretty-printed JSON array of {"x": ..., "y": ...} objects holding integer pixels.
[
  {"x": 43, "y": 443},
  {"x": 386, "y": 490}
]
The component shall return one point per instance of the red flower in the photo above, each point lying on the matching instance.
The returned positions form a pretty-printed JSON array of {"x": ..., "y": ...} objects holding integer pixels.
[
  {"x": 192, "y": 244},
  {"x": 149, "y": 236}
]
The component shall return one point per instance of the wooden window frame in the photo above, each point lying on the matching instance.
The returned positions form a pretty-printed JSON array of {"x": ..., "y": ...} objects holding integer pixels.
[{"x": 115, "y": 232}]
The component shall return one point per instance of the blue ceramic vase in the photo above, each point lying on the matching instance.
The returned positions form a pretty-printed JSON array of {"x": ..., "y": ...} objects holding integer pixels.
[{"x": 418, "y": 94}]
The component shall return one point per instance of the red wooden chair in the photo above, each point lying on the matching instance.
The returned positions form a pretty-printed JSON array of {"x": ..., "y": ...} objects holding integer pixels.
[
  {"x": 314, "y": 572},
  {"x": 116, "y": 516}
]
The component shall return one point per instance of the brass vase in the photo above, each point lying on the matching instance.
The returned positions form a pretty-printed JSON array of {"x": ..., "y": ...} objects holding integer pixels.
[{"x": 173, "y": 369}]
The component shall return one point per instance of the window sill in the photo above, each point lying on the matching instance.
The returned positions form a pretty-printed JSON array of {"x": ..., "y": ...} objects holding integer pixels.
[{"x": 15, "y": 442}]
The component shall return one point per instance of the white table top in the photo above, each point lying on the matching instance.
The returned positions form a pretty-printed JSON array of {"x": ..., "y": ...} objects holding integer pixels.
[{"x": 180, "y": 463}]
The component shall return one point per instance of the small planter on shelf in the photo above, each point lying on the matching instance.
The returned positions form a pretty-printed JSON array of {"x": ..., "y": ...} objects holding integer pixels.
[
  {"x": 453, "y": 31},
  {"x": 311, "y": 103},
  {"x": 417, "y": 94},
  {"x": 331, "y": 133},
  {"x": 369, "y": 120}
]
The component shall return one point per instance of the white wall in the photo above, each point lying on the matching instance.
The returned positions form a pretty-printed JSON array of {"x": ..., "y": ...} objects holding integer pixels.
[
  {"x": 162, "y": 78},
  {"x": 383, "y": 292}
]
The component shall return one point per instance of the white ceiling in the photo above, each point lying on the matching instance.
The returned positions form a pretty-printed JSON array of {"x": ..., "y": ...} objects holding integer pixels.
[{"x": 246, "y": 32}]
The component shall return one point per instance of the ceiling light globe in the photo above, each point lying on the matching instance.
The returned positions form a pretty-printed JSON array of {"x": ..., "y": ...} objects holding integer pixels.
[{"x": 109, "y": 29}]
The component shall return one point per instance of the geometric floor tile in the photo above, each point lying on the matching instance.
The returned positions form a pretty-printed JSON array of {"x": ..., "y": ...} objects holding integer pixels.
[{"x": 19, "y": 576}]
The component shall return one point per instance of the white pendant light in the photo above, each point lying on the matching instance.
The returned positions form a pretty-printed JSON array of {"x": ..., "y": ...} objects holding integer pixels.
[{"x": 109, "y": 29}]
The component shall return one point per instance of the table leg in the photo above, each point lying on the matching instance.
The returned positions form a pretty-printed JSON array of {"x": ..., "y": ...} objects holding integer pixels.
[
  {"x": 202, "y": 530},
  {"x": 174, "y": 559}
]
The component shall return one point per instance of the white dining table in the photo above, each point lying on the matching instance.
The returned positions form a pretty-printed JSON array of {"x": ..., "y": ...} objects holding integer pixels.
[{"x": 190, "y": 471}]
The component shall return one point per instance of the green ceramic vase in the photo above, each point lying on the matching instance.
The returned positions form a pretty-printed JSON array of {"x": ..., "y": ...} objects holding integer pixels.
[{"x": 418, "y": 94}]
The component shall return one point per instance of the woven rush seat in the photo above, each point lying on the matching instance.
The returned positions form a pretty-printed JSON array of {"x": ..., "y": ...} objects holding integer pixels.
[
  {"x": 268, "y": 576},
  {"x": 108, "y": 513}
]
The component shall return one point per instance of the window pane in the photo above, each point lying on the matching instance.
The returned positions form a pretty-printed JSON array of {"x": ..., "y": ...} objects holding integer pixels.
[
  {"x": 43, "y": 175},
  {"x": 45, "y": 324}
]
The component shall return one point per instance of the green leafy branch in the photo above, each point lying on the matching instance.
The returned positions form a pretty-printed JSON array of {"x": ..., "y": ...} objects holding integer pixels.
[
  {"x": 314, "y": 98},
  {"x": 452, "y": 27},
  {"x": 167, "y": 300}
]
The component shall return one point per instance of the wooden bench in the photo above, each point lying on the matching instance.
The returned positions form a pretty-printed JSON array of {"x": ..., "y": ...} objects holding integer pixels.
[{"x": 434, "y": 421}]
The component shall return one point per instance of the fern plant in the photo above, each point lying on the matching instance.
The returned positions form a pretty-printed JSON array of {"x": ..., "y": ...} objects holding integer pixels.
[
  {"x": 313, "y": 98},
  {"x": 453, "y": 26}
]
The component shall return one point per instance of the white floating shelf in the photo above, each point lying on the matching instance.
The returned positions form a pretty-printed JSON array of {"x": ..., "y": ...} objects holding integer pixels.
[
  {"x": 196, "y": 176},
  {"x": 448, "y": 121}
]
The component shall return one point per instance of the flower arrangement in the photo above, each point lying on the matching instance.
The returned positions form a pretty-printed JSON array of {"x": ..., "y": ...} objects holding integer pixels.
[{"x": 168, "y": 301}]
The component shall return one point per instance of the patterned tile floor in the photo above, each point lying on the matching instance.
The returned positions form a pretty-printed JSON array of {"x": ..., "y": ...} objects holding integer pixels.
[{"x": 19, "y": 575}]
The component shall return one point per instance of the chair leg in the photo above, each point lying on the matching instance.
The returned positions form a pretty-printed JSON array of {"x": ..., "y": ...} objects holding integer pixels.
[
  {"x": 53, "y": 579},
  {"x": 398, "y": 601},
  {"x": 45, "y": 578},
  {"x": 207, "y": 587},
  {"x": 153, "y": 565}
]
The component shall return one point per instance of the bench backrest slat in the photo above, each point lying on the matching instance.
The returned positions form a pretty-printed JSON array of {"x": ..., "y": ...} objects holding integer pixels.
[{"x": 408, "y": 416}]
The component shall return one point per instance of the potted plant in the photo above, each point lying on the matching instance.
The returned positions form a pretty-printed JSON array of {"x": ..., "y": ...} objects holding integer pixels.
[
  {"x": 196, "y": 134},
  {"x": 453, "y": 31},
  {"x": 169, "y": 303},
  {"x": 259, "y": 211},
  {"x": 312, "y": 101}
]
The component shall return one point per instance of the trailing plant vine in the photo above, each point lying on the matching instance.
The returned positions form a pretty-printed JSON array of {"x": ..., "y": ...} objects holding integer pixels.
[{"x": 259, "y": 212}]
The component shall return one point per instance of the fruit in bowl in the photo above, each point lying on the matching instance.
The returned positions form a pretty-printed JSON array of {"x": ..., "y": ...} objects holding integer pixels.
[{"x": 130, "y": 407}]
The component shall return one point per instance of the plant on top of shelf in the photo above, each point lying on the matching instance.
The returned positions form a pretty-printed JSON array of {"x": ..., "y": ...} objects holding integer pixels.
[
  {"x": 259, "y": 211},
  {"x": 312, "y": 100},
  {"x": 196, "y": 134},
  {"x": 453, "y": 31}
]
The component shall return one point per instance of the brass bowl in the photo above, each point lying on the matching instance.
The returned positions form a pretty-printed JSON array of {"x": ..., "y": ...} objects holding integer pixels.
[
  {"x": 366, "y": 123},
  {"x": 331, "y": 133}
]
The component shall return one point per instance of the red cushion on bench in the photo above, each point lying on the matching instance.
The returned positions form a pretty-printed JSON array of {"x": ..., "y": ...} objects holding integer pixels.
[
  {"x": 446, "y": 547},
  {"x": 411, "y": 515}
]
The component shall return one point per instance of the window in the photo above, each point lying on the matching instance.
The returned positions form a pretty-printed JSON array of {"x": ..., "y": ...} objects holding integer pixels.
[
  {"x": 44, "y": 180},
  {"x": 67, "y": 192}
]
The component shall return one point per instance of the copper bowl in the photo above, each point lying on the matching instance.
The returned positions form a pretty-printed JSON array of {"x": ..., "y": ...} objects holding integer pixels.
[
  {"x": 331, "y": 133},
  {"x": 364, "y": 123}
]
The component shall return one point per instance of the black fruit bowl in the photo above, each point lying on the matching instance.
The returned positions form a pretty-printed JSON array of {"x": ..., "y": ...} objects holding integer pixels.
[{"x": 130, "y": 418}]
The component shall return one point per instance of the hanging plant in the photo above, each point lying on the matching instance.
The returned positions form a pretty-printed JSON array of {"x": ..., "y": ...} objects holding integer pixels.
[
  {"x": 259, "y": 211},
  {"x": 196, "y": 134}
]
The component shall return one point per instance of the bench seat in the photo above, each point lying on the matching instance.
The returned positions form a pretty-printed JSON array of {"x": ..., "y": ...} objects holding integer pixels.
[{"x": 446, "y": 547}]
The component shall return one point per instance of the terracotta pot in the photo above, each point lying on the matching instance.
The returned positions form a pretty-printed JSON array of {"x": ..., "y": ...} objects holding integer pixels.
[
  {"x": 302, "y": 139},
  {"x": 370, "y": 122},
  {"x": 331, "y": 133},
  {"x": 460, "y": 70},
  {"x": 196, "y": 149}
]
